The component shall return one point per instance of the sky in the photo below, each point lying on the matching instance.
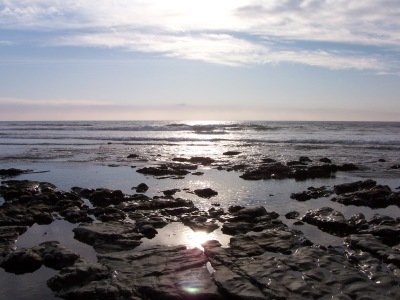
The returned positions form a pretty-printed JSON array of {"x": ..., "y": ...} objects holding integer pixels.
[{"x": 204, "y": 60}]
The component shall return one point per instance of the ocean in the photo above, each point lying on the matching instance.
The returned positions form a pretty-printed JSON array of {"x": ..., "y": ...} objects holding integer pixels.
[{"x": 95, "y": 154}]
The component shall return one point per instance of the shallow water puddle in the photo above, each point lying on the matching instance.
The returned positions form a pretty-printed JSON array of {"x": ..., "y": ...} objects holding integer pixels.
[
  {"x": 175, "y": 234},
  {"x": 60, "y": 231}
]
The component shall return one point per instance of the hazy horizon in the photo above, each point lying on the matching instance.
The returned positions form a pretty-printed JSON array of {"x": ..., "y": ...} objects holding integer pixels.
[{"x": 272, "y": 60}]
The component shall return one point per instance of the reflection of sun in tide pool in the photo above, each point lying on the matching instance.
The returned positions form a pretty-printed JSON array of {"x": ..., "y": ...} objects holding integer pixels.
[{"x": 195, "y": 239}]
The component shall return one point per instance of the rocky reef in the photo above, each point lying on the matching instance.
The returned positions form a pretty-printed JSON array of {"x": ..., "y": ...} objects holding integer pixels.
[{"x": 265, "y": 259}]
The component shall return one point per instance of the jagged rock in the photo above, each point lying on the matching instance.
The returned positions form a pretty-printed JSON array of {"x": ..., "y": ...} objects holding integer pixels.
[
  {"x": 325, "y": 160},
  {"x": 22, "y": 261},
  {"x": 297, "y": 170},
  {"x": 167, "y": 170},
  {"x": 12, "y": 172},
  {"x": 231, "y": 153},
  {"x": 72, "y": 282},
  {"x": 348, "y": 167},
  {"x": 8, "y": 236},
  {"x": 197, "y": 173},
  {"x": 377, "y": 196},
  {"x": 199, "y": 223},
  {"x": 272, "y": 240},
  {"x": 304, "y": 159},
  {"x": 250, "y": 219},
  {"x": 295, "y": 163},
  {"x": 353, "y": 186},
  {"x": 274, "y": 170},
  {"x": 55, "y": 256},
  {"x": 312, "y": 193},
  {"x": 371, "y": 244},
  {"x": 305, "y": 272},
  {"x": 292, "y": 215},
  {"x": 329, "y": 220},
  {"x": 206, "y": 193},
  {"x": 142, "y": 188},
  {"x": 171, "y": 192},
  {"x": 105, "y": 197},
  {"x": 109, "y": 237}
]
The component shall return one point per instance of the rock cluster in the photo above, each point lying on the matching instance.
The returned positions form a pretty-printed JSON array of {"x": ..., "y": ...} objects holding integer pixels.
[
  {"x": 299, "y": 170},
  {"x": 366, "y": 193}
]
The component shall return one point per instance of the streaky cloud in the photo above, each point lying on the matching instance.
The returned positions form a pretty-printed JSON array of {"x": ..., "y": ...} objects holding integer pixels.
[{"x": 345, "y": 34}]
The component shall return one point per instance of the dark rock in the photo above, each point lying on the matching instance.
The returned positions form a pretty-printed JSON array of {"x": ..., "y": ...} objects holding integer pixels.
[
  {"x": 12, "y": 172},
  {"x": 148, "y": 231},
  {"x": 75, "y": 214},
  {"x": 269, "y": 171},
  {"x": 381, "y": 160},
  {"x": 375, "y": 197},
  {"x": 105, "y": 197},
  {"x": 353, "y": 186},
  {"x": 235, "y": 208},
  {"x": 292, "y": 215},
  {"x": 109, "y": 237},
  {"x": 330, "y": 220},
  {"x": 55, "y": 256},
  {"x": 8, "y": 236},
  {"x": 256, "y": 243},
  {"x": 305, "y": 159},
  {"x": 312, "y": 193},
  {"x": 298, "y": 223},
  {"x": 248, "y": 219},
  {"x": 249, "y": 213},
  {"x": 171, "y": 192},
  {"x": 197, "y": 173},
  {"x": 132, "y": 156},
  {"x": 325, "y": 160},
  {"x": 106, "y": 214},
  {"x": 70, "y": 283},
  {"x": 268, "y": 160},
  {"x": 295, "y": 163},
  {"x": 231, "y": 153},
  {"x": 206, "y": 193},
  {"x": 205, "y": 161},
  {"x": 165, "y": 170},
  {"x": 199, "y": 223},
  {"x": 22, "y": 261},
  {"x": 214, "y": 212},
  {"x": 348, "y": 167},
  {"x": 142, "y": 188},
  {"x": 395, "y": 167},
  {"x": 303, "y": 196},
  {"x": 372, "y": 245}
]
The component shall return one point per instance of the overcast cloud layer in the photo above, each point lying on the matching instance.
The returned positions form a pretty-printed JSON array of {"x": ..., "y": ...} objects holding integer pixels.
[{"x": 335, "y": 34}]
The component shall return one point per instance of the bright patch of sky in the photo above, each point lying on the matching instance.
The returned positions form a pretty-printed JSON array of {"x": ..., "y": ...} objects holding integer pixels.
[{"x": 319, "y": 55}]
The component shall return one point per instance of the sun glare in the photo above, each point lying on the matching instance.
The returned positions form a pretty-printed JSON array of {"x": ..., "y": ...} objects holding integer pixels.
[{"x": 195, "y": 239}]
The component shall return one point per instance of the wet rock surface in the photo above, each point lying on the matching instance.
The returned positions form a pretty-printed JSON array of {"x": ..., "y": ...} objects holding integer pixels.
[
  {"x": 366, "y": 193},
  {"x": 206, "y": 193},
  {"x": 312, "y": 193},
  {"x": 50, "y": 254},
  {"x": 265, "y": 259},
  {"x": 168, "y": 170},
  {"x": 12, "y": 172}
]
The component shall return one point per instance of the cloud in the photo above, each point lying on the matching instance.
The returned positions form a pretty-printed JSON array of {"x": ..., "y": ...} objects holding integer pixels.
[{"x": 340, "y": 34}]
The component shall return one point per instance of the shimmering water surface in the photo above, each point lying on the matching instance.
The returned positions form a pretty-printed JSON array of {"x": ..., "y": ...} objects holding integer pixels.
[{"x": 94, "y": 154}]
